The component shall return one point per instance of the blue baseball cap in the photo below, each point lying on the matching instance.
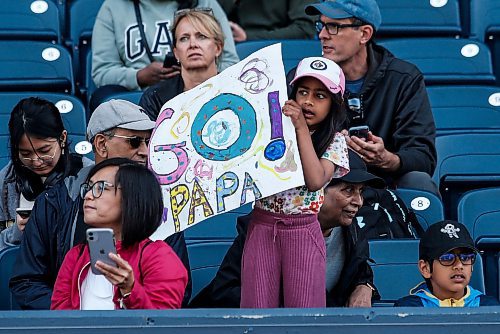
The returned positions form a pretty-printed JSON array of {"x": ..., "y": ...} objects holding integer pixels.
[{"x": 365, "y": 10}]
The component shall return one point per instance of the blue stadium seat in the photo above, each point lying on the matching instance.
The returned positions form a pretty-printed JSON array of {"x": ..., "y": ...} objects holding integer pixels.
[
  {"x": 465, "y": 162},
  {"x": 133, "y": 97},
  {"x": 72, "y": 109},
  {"x": 35, "y": 66},
  {"x": 29, "y": 20},
  {"x": 405, "y": 18},
  {"x": 220, "y": 227},
  {"x": 82, "y": 15},
  {"x": 446, "y": 60},
  {"x": 4, "y": 150},
  {"x": 293, "y": 50},
  {"x": 427, "y": 207},
  {"x": 479, "y": 210},
  {"x": 485, "y": 26},
  {"x": 7, "y": 259},
  {"x": 395, "y": 270},
  {"x": 465, "y": 108},
  {"x": 205, "y": 259}
]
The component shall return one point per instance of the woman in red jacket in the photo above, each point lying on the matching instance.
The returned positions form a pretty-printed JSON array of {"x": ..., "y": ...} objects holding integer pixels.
[{"x": 126, "y": 197}]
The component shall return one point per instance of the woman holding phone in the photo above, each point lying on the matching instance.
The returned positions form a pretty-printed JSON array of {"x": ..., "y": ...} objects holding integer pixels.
[
  {"x": 40, "y": 158},
  {"x": 142, "y": 274},
  {"x": 198, "y": 44}
]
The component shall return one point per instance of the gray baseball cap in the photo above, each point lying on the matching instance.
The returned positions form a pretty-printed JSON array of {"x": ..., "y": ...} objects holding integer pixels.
[{"x": 118, "y": 114}]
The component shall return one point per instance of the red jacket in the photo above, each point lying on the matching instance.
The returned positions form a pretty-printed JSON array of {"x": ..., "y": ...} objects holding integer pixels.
[{"x": 161, "y": 285}]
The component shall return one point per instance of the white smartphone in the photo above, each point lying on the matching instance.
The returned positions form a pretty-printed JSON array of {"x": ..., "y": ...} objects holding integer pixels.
[{"x": 101, "y": 242}]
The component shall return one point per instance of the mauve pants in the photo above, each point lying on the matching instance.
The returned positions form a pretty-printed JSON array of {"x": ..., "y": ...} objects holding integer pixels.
[{"x": 287, "y": 250}]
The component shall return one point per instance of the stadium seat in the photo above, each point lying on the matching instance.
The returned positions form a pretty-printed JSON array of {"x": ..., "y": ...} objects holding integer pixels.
[
  {"x": 446, "y": 60},
  {"x": 395, "y": 270},
  {"x": 485, "y": 27},
  {"x": 293, "y": 50},
  {"x": 427, "y": 207},
  {"x": 7, "y": 259},
  {"x": 35, "y": 66},
  {"x": 465, "y": 108},
  {"x": 133, "y": 97},
  {"x": 479, "y": 210},
  {"x": 405, "y": 18},
  {"x": 465, "y": 162},
  {"x": 82, "y": 15},
  {"x": 4, "y": 150},
  {"x": 205, "y": 259},
  {"x": 29, "y": 20},
  {"x": 220, "y": 227}
]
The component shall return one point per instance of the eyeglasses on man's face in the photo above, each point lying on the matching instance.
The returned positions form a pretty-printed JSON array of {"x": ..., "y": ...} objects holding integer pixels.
[
  {"x": 46, "y": 159},
  {"x": 449, "y": 259},
  {"x": 134, "y": 141},
  {"x": 333, "y": 28},
  {"x": 97, "y": 188}
]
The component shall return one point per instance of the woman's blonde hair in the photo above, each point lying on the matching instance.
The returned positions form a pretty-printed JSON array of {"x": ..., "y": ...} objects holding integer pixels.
[{"x": 203, "y": 21}]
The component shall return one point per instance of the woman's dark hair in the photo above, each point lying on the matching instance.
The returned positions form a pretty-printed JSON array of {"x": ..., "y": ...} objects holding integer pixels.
[
  {"x": 333, "y": 123},
  {"x": 37, "y": 118},
  {"x": 141, "y": 198}
]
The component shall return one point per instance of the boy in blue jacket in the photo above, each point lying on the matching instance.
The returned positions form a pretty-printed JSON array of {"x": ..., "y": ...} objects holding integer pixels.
[{"x": 446, "y": 257}]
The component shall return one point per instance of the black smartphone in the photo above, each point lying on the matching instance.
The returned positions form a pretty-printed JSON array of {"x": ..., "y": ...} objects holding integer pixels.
[
  {"x": 359, "y": 131},
  {"x": 169, "y": 61},
  {"x": 101, "y": 242},
  {"x": 23, "y": 212}
]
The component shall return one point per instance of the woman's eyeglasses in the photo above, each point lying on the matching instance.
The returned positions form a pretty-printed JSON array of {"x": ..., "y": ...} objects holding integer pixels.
[
  {"x": 97, "y": 188},
  {"x": 450, "y": 258},
  {"x": 46, "y": 159},
  {"x": 182, "y": 12},
  {"x": 134, "y": 141}
]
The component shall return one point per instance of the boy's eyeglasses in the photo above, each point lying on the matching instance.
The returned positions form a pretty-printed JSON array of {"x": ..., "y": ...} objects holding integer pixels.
[
  {"x": 183, "y": 12},
  {"x": 450, "y": 258},
  {"x": 134, "y": 141},
  {"x": 333, "y": 28},
  {"x": 97, "y": 188}
]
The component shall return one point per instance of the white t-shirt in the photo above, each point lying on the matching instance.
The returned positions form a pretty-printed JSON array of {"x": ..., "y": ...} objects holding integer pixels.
[{"x": 97, "y": 293}]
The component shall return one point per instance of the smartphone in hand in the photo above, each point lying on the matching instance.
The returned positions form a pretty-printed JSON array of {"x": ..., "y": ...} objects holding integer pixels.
[
  {"x": 169, "y": 61},
  {"x": 359, "y": 131},
  {"x": 101, "y": 242}
]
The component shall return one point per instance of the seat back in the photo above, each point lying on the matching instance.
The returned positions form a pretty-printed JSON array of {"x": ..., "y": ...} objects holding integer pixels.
[
  {"x": 446, "y": 60},
  {"x": 36, "y": 66},
  {"x": 427, "y": 207},
  {"x": 395, "y": 270},
  {"x": 465, "y": 108},
  {"x": 405, "y": 18},
  {"x": 7, "y": 259},
  {"x": 205, "y": 259},
  {"x": 4, "y": 150},
  {"x": 29, "y": 20},
  {"x": 220, "y": 227},
  {"x": 293, "y": 50},
  {"x": 479, "y": 210},
  {"x": 82, "y": 15},
  {"x": 465, "y": 162}
]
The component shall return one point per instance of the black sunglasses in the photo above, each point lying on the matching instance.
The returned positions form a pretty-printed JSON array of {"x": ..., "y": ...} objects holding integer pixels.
[
  {"x": 333, "y": 28},
  {"x": 134, "y": 141}
]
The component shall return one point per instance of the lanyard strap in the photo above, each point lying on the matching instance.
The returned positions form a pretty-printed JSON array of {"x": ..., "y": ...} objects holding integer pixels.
[{"x": 144, "y": 42}]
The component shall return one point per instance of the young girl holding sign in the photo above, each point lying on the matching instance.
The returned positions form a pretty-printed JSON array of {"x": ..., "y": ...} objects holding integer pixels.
[{"x": 285, "y": 251}]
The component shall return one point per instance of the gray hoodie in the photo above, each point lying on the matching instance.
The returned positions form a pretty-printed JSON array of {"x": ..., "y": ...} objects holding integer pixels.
[{"x": 117, "y": 54}]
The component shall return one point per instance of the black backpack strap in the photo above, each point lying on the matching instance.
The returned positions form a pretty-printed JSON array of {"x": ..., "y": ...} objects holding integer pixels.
[{"x": 144, "y": 41}]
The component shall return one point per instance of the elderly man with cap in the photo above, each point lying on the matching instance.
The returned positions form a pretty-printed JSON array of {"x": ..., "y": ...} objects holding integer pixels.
[
  {"x": 383, "y": 92},
  {"x": 117, "y": 128},
  {"x": 349, "y": 278}
]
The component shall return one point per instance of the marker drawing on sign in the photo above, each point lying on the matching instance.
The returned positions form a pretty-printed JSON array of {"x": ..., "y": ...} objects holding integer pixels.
[{"x": 276, "y": 148}]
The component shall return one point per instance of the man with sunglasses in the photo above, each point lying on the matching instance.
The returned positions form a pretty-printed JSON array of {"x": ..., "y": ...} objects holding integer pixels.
[
  {"x": 386, "y": 95},
  {"x": 117, "y": 128},
  {"x": 446, "y": 254}
]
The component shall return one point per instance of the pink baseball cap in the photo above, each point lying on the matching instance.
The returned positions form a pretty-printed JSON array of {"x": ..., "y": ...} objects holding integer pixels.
[{"x": 325, "y": 70}]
